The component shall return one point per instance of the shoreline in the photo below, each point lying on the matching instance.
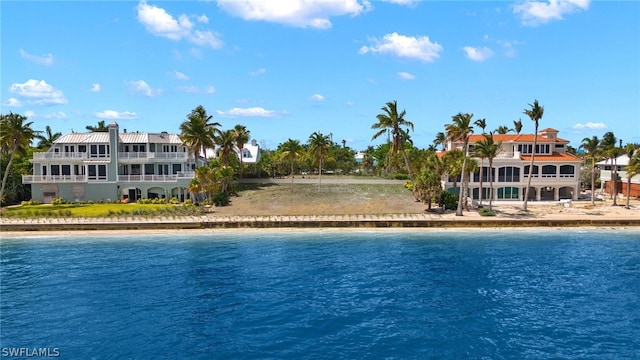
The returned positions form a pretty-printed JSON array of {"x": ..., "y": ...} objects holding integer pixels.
[
  {"x": 149, "y": 233},
  {"x": 387, "y": 222}
]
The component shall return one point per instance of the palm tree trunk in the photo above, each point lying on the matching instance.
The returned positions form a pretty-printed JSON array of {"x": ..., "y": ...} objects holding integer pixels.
[
  {"x": 320, "y": 173},
  {"x": 481, "y": 168},
  {"x": 628, "y": 192},
  {"x": 406, "y": 162},
  {"x": 533, "y": 155},
  {"x": 291, "y": 175},
  {"x": 461, "y": 198},
  {"x": 490, "y": 184},
  {"x": 593, "y": 181},
  {"x": 615, "y": 182},
  {"x": 6, "y": 170}
]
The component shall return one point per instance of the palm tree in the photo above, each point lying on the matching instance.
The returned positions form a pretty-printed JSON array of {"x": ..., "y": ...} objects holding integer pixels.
[
  {"x": 226, "y": 141},
  {"x": 197, "y": 133},
  {"x": 489, "y": 149},
  {"x": 291, "y": 149},
  {"x": 319, "y": 145},
  {"x": 441, "y": 139},
  {"x": 503, "y": 130},
  {"x": 242, "y": 136},
  {"x": 47, "y": 141},
  {"x": 15, "y": 138},
  {"x": 592, "y": 147},
  {"x": 393, "y": 121},
  {"x": 632, "y": 169},
  {"x": 517, "y": 125},
  {"x": 613, "y": 153},
  {"x": 101, "y": 127},
  {"x": 460, "y": 129},
  {"x": 452, "y": 167},
  {"x": 608, "y": 146},
  {"x": 535, "y": 114},
  {"x": 481, "y": 123}
]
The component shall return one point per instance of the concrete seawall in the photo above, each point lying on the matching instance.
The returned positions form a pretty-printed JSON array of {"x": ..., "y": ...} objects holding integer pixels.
[{"x": 304, "y": 223}]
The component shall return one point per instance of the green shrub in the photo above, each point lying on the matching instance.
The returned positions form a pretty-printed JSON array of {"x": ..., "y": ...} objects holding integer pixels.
[
  {"x": 401, "y": 176},
  {"x": 58, "y": 201},
  {"x": 188, "y": 202},
  {"x": 486, "y": 212},
  {"x": 220, "y": 198},
  {"x": 448, "y": 200},
  {"x": 174, "y": 200},
  {"x": 408, "y": 185}
]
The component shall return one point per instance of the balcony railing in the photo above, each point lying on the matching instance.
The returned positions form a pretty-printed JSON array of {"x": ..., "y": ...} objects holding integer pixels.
[
  {"x": 34, "y": 179},
  {"x": 155, "y": 178},
  {"x": 60, "y": 155},
  {"x": 151, "y": 156}
]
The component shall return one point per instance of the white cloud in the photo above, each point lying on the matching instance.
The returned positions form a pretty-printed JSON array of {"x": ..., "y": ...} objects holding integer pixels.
[
  {"x": 141, "y": 86},
  {"x": 197, "y": 90},
  {"x": 29, "y": 114},
  {"x": 158, "y": 22},
  {"x": 180, "y": 76},
  {"x": 42, "y": 60},
  {"x": 56, "y": 115},
  {"x": 402, "y": 2},
  {"x": 408, "y": 47},
  {"x": 405, "y": 75},
  {"x": 478, "y": 54},
  {"x": 250, "y": 112},
  {"x": 298, "y": 13},
  {"x": 317, "y": 97},
  {"x": 38, "y": 92},
  {"x": 590, "y": 126},
  {"x": 534, "y": 13},
  {"x": 12, "y": 102},
  {"x": 95, "y": 87},
  {"x": 258, "y": 72},
  {"x": 116, "y": 115}
]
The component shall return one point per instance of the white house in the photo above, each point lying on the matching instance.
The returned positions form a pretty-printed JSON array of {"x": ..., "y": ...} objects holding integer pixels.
[{"x": 555, "y": 172}]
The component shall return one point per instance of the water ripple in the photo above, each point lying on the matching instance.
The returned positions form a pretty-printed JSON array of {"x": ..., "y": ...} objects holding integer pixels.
[{"x": 328, "y": 295}]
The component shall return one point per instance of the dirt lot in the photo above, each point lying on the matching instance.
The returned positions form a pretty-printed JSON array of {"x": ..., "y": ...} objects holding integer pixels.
[{"x": 326, "y": 199}]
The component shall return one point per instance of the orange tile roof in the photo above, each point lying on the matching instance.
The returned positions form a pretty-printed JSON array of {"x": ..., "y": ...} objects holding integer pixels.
[
  {"x": 548, "y": 130},
  {"x": 516, "y": 138},
  {"x": 556, "y": 156}
]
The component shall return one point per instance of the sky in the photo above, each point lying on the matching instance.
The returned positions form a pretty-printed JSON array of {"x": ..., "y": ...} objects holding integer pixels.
[{"x": 288, "y": 68}]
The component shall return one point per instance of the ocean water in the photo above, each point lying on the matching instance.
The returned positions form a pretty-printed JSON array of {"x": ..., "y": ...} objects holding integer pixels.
[{"x": 543, "y": 294}]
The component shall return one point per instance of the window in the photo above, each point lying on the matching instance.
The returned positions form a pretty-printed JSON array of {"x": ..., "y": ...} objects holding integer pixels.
[
  {"x": 44, "y": 170},
  {"x": 55, "y": 170},
  {"x": 97, "y": 172},
  {"x": 82, "y": 148},
  {"x": 148, "y": 169},
  {"x": 176, "y": 168},
  {"x": 508, "y": 174},
  {"x": 163, "y": 169},
  {"x": 549, "y": 171},
  {"x": 66, "y": 169},
  {"x": 567, "y": 171},
  {"x": 534, "y": 173},
  {"x": 508, "y": 192},
  {"x": 152, "y": 147}
]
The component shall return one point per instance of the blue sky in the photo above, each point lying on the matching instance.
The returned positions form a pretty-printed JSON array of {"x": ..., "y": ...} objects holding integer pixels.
[{"x": 288, "y": 68}]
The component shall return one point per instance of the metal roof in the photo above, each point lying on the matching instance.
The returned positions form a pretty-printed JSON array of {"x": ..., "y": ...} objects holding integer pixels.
[{"x": 124, "y": 138}]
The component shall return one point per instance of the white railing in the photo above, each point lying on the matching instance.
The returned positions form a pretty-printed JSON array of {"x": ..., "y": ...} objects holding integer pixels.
[
  {"x": 33, "y": 179},
  {"x": 152, "y": 178},
  {"x": 60, "y": 155},
  {"x": 151, "y": 155}
]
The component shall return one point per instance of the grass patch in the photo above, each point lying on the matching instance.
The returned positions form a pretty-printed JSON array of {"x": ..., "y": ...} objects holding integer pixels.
[
  {"x": 98, "y": 210},
  {"x": 486, "y": 212}
]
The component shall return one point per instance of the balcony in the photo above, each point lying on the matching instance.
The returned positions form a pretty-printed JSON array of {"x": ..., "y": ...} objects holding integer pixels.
[
  {"x": 152, "y": 156},
  {"x": 39, "y": 179},
  {"x": 66, "y": 156},
  {"x": 156, "y": 178}
]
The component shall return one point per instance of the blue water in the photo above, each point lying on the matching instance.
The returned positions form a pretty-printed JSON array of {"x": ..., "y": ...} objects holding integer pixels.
[{"x": 326, "y": 295}]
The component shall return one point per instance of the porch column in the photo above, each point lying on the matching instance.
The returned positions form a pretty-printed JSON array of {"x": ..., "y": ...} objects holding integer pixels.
[
  {"x": 538, "y": 191},
  {"x": 556, "y": 193}
]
